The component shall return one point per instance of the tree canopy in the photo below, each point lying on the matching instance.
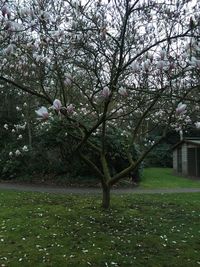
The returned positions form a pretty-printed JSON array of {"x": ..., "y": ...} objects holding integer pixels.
[{"x": 128, "y": 65}]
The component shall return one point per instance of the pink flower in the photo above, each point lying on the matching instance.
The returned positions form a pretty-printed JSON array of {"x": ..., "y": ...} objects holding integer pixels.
[
  {"x": 6, "y": 11},
  {"x": 57, "y": 105},
  {"x": 135, "y": 67},
  {"x": 160, "y": 64},
  {"x": 106, "y": 92},
  {"x": 43, "y": 113},
  {"x": 181, "y": 109},
  {"x": 68, "y": 80},
  {"x": 9, "y": 26},
  {"x": 123, "y": 92},
  {"x": 70, "y": 109}
]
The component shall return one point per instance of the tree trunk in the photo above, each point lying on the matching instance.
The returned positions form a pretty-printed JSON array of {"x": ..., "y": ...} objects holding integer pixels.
[{"x": 106, "y": 197}]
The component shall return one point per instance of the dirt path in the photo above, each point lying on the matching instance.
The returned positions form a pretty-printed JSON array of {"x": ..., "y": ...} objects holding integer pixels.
[{"x": 71, "y": 190}]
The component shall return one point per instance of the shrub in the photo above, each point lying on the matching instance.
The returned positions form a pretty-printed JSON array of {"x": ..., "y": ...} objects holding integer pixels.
[
  {"x": 161, "y": 156},
  {"x": 53, "y": 149}
]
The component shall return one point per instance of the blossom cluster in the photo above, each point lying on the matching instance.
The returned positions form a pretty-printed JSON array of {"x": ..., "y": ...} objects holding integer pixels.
[
  {"x": 43, "y": 113},
  {"x": 18, "y": 152}
]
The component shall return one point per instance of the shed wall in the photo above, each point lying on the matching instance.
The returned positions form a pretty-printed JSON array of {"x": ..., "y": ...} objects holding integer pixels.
[
  {"x": 194, "y": 161},
  {"x": 184, "y": 159}
]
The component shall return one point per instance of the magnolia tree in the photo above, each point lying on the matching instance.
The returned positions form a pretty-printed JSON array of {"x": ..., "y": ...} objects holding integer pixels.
[{"x": 123, "y": 64}]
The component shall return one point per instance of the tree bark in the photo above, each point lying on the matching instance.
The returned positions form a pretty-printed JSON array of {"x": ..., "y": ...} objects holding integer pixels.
[{"x": 106, "y": 197}]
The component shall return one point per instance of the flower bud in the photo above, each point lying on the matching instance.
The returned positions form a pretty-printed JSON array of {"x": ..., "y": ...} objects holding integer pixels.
[
  {"x": 57, "y": 104},
  {"x": 106, "y": 92},
  {"x": 70, "y": 109},
  {"x": 181, "y": 109},
  {"x": 6, "y": 11}
]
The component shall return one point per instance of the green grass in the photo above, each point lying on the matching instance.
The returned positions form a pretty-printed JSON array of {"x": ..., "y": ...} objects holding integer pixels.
[
  {"x": 163, "y": 178},
  {"x": 71, "y": 230}
]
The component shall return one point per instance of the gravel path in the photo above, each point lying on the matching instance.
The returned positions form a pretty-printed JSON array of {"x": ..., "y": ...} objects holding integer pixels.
[{"x": 71, "y": 190}]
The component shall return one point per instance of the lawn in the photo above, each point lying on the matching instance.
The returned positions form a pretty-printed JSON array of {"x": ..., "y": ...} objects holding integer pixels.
[
  {"x": 71, "y": 230},
  {"x": 163, "y": 178}
]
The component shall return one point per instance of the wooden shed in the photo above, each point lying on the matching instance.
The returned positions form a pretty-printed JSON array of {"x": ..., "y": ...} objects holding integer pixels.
[{"x": 186, "y": 157}]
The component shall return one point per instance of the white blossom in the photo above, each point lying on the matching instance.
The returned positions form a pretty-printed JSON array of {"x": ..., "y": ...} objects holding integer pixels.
[
  {"x": 197, "y": 125},
  {"x": 42, "y": 112},
  {"x": 106, "y": 92},
  {"x": 181, "y": 109},
  {"x": 25, "y": 148},
  {"x": 135, "y": 67},
  {"x": 17, "y": 152},
  {"x": 5, "y": 126},
  {"x": 57, "y": 104},
  {"x": 123, "y": 92},
  {"x": 68, "y": 81},
  {"x": 20, "y": 127},
  {"x": 70, "y": 109},
  {"x": 9, "y": 49},
  {"x": 6, "y": 11},
  {"x": 19, "y": 137}
]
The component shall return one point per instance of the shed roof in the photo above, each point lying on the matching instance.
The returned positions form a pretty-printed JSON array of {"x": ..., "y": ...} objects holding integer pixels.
[{"x": 191, "y": 141}]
